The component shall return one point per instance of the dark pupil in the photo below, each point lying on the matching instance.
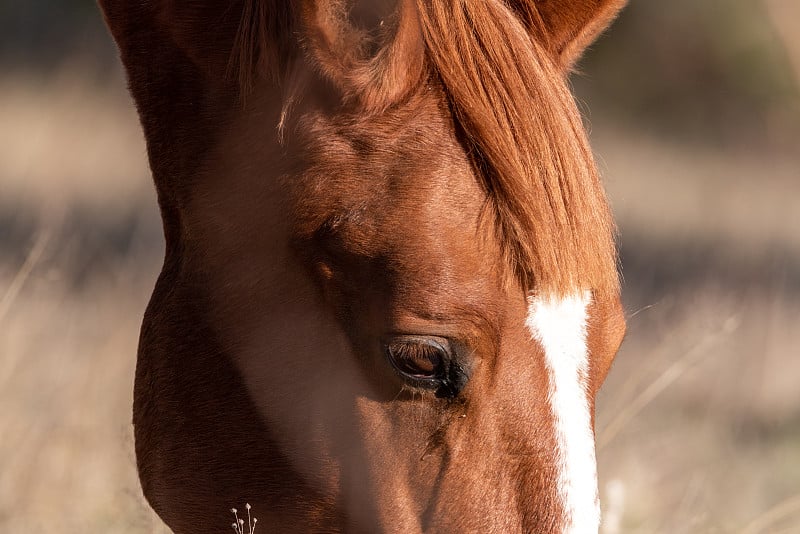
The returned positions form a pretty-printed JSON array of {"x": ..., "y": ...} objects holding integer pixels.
[{"x": 416, "y": 359}]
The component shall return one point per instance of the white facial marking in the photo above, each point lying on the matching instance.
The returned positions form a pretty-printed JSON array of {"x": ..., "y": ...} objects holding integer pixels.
[{"x": 559, "y": 325}]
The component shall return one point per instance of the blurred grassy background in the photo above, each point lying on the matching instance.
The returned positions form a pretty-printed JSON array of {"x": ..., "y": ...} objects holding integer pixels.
[{"x": 694, "y": 109}]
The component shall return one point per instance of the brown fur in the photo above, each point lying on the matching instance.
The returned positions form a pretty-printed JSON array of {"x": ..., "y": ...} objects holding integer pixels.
[
  {"x": 333, "y": 173},
  {"x": 535, "y": 162}
]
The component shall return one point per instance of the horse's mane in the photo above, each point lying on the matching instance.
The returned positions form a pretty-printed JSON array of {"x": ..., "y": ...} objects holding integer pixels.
[{"x": 510, "y": 97}]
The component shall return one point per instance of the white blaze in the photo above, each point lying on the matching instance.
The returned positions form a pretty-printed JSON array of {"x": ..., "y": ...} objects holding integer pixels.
[{"x": 559, "y": 325}]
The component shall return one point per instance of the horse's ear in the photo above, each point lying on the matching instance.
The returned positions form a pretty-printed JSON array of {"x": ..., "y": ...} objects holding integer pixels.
[
  {"x": 204, "y": 32},
  {"x": 567, "y": 27},
  {"x": 372, "y": 51}
]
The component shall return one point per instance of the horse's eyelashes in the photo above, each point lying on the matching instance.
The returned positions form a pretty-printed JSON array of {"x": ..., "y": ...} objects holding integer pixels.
[
  {"x": 421, "y": 360},
  {"x": 417, "y": 359}
]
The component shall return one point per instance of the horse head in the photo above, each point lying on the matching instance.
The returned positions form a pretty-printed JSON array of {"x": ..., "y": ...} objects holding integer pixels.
[{"x": 390, "y": 293}]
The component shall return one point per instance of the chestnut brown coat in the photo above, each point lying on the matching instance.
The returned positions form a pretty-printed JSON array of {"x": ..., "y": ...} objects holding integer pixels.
[{"x": 365, "y": 203}]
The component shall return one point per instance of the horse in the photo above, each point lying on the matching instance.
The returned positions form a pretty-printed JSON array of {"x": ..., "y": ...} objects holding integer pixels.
[{"x": 390, "y": 289}]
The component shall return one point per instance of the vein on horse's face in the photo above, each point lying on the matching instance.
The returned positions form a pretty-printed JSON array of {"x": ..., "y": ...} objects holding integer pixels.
[{"x": 559, "y": 326}]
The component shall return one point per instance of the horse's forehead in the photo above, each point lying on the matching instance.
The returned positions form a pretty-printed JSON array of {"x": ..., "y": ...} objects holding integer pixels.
[
  {"x": 421, "y": 131},
  {"x": 396, "y": 176},
  {"x": 395, "y": 204}
]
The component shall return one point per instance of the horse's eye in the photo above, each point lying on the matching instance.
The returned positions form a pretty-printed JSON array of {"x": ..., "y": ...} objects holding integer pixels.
[
  {"x": 428, "y": 362},
  {"x": 421, "y": 359}
]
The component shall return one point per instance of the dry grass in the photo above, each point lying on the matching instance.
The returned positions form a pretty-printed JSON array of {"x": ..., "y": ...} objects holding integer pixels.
[
  {"x": 72, "y": 291},
  {"x": 699, "y": 424}
]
